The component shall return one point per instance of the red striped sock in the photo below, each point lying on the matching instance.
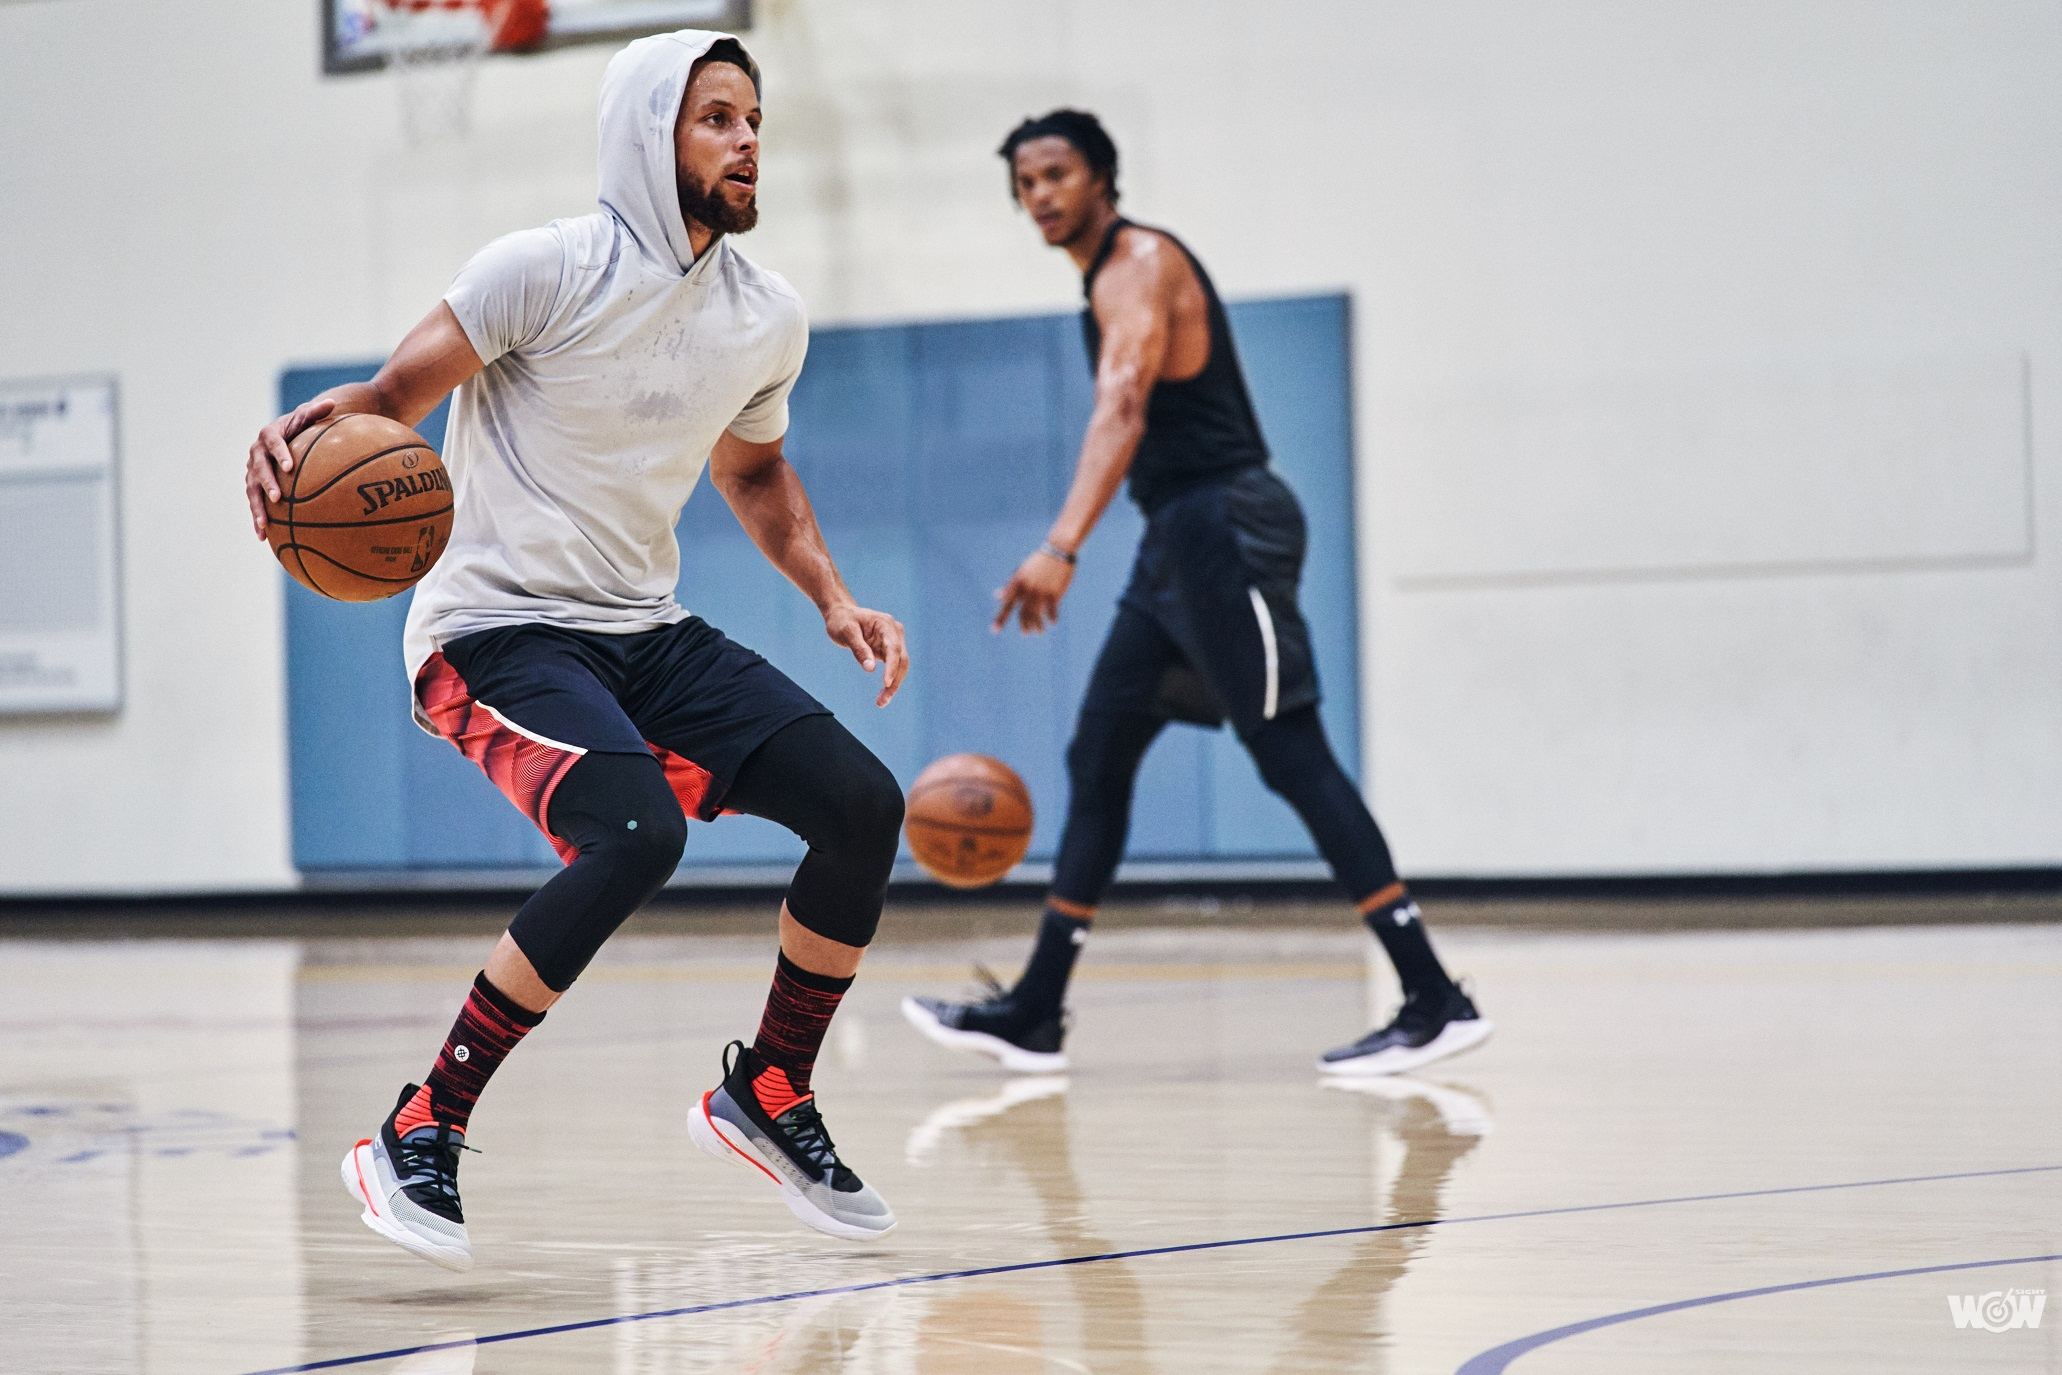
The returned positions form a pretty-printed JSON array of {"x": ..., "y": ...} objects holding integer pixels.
[
  {"x": 798, "y": 1013},
  {"x": 488, "y": 1028},
  {"x": 775, "y": 1091}
]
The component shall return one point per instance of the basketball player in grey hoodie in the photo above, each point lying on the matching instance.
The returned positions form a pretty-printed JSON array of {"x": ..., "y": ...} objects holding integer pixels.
[{"x": 601, "y": 364}]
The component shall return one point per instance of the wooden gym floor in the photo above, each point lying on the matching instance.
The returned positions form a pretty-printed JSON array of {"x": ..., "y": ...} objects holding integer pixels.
[{"x": 1685, "y": 1151}]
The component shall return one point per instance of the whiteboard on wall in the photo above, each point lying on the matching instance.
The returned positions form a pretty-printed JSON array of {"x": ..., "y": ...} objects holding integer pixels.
[{"x": 60, "y": 627}]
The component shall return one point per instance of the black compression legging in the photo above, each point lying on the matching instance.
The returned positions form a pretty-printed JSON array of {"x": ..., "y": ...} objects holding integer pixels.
[
  {"x": 816, "y": 779},
  {"x": 1295, "y": 761},
  {"x": 617, "y": 811}
]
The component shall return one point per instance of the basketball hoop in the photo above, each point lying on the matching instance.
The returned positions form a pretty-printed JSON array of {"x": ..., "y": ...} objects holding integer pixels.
[{"x": 434, "y": 48}]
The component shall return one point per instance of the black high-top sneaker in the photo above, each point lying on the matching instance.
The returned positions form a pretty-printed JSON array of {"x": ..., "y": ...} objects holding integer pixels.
[
  {"x": 791, "y": 1150},
  {"x": 1429, "y": 1026},
  {"x": 994, "y": 1026},
  {"x": 408, "y": 1186}
]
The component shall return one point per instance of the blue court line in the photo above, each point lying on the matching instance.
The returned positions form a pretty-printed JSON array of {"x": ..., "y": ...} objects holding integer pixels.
[
  {"x": 1023, "y": 1267},
  {"x": 1498, "y": 1359}
]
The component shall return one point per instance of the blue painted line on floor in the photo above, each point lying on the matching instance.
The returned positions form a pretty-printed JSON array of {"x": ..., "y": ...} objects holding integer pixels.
[
  {"x": 1024, "y": 1267},
  {"x": 10, "y": 1142},
  {"x": 1498, "y": 1359}
]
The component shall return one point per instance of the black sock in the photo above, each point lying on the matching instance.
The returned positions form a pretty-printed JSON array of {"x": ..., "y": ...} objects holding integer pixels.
[
  {"x": 1043, "y": 985},
  {"x": 1393, "y": 917}
]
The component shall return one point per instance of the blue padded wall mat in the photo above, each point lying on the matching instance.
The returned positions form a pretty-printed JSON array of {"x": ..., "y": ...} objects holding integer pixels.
[{"x": 936, "y": 455}]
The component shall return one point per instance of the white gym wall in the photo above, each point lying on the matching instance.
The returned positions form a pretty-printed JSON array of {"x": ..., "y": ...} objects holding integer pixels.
[{"x": 1709, "y": 366}]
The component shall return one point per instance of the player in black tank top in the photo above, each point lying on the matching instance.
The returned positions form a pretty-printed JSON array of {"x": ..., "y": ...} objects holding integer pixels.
[
  {"x": 1208, "y": 629},
  {"x": 1197, "y": 428}
]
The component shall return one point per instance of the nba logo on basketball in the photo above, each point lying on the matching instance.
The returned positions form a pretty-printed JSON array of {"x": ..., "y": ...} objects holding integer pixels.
[{"x": 2000, "y": 1310}]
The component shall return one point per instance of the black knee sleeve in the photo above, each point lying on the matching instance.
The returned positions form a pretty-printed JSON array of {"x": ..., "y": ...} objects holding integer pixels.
[
  {"x": 816, "y": 779},
  {"x": 873, "y": 810},
  {"x": 617, "y": 811},
  {"x": 840, "y": 886}
]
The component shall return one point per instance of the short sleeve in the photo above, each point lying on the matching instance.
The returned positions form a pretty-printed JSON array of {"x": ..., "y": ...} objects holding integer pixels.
[
  {"x": 503, "y": 297},
  {"x": 765, "y": 418}
]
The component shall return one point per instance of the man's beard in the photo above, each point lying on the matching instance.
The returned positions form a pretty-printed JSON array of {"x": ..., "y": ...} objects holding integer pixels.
[{"x": 705, "y": 205}]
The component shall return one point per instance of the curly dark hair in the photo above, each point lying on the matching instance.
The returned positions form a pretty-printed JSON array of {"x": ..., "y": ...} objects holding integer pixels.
[{"x": 1079, "y": 128}]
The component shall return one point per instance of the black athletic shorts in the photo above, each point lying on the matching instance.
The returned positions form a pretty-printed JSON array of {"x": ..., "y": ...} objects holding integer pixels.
[
  {"x": 1208, "y": 629},
  {"x": 526, "y": 702}
]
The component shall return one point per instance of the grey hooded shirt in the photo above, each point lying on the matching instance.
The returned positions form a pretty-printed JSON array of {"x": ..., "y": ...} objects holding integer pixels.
[{"x": 614, "y": 361}]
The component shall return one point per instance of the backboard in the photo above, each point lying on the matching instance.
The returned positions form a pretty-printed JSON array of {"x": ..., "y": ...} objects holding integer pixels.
[{"x": 351, "y": 40}]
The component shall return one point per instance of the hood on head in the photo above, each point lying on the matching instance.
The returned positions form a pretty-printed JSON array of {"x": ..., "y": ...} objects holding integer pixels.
[{"x": 640, "y": 103}]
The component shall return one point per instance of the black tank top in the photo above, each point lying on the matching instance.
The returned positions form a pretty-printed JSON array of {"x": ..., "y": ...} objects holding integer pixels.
[{"x": 1196, "y": 430}]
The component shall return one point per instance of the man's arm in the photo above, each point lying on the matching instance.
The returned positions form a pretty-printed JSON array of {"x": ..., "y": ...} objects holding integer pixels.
[
  {"x": 425, "y": 367},
  {"x": 766, "y": 494},
  {"x": 1131, "y": 307},
  {"x": 1131, "y": 303}
]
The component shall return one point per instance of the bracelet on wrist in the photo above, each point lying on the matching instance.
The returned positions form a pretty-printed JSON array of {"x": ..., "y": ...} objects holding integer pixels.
[{"x": 1053, "y": 551}]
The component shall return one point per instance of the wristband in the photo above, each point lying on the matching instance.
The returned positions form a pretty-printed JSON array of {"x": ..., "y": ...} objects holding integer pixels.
[{"x": 1053, "y": 551}]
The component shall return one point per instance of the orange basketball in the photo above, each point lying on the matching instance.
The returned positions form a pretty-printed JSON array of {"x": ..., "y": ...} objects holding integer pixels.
[
  {"x": 968, "y": 820},
  {"x": 365, "y": 511}
]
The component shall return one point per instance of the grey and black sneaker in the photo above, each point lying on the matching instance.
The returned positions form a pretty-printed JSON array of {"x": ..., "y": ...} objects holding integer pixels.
[
  {"x": 792, "y": 1151},
  {"x": 408, "y": 1187},
  {"x": 1430, "y": 1026},
  {"x": 994, "y": 1026}
]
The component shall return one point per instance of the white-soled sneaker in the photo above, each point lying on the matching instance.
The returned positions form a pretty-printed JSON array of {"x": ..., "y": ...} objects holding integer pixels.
[
  {"x": 793, "y": 1152},
  {"x": 993, "y": 1027},
  {"x": 408, "y": 1188},
  {"x": 1427, "y": 1028}
]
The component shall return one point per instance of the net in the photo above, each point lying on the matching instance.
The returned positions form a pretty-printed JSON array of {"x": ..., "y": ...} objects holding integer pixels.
[{"x": 434, "y": 48}]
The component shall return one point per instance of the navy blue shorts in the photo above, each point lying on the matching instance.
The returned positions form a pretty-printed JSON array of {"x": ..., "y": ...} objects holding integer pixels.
[
  {"x": 1209, "y": 629},
  {"x": 526, "y": 702}
]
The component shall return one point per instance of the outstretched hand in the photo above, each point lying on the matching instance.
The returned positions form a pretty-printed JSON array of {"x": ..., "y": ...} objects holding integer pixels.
[
  {"x": 1033, "y": 593},
  {"x": 875, "y": 638}
]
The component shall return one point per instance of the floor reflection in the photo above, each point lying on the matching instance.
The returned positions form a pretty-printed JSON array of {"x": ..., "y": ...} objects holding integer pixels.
[
  {"x": 1021, "y": 1129},
  {"x": 172, "y": 1111},
  {"x": 1345, "y": 1323},
  {"x": 457, "y": 1354}
]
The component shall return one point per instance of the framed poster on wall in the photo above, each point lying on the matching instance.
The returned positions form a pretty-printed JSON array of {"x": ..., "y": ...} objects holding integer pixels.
[{"x": 60, "y": 584}]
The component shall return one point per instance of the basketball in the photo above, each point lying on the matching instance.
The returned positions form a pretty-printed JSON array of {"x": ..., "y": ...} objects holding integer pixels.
[
  {"x": 968, "y": 820},
  {"x": 365, "y": 511}
]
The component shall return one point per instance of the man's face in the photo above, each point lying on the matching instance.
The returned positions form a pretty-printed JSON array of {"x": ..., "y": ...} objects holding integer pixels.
[
  {"x": 716, "y": 149},
  {"x": 1056, "y": 187}
]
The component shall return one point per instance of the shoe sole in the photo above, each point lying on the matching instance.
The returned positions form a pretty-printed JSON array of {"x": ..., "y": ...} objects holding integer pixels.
[
  {"x": 726, "y": 1143},
  {"x": 360, "y": 1167},
  {"x": 1012, "y": 1057},
  {"x": 1453, "y": 1039}
]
